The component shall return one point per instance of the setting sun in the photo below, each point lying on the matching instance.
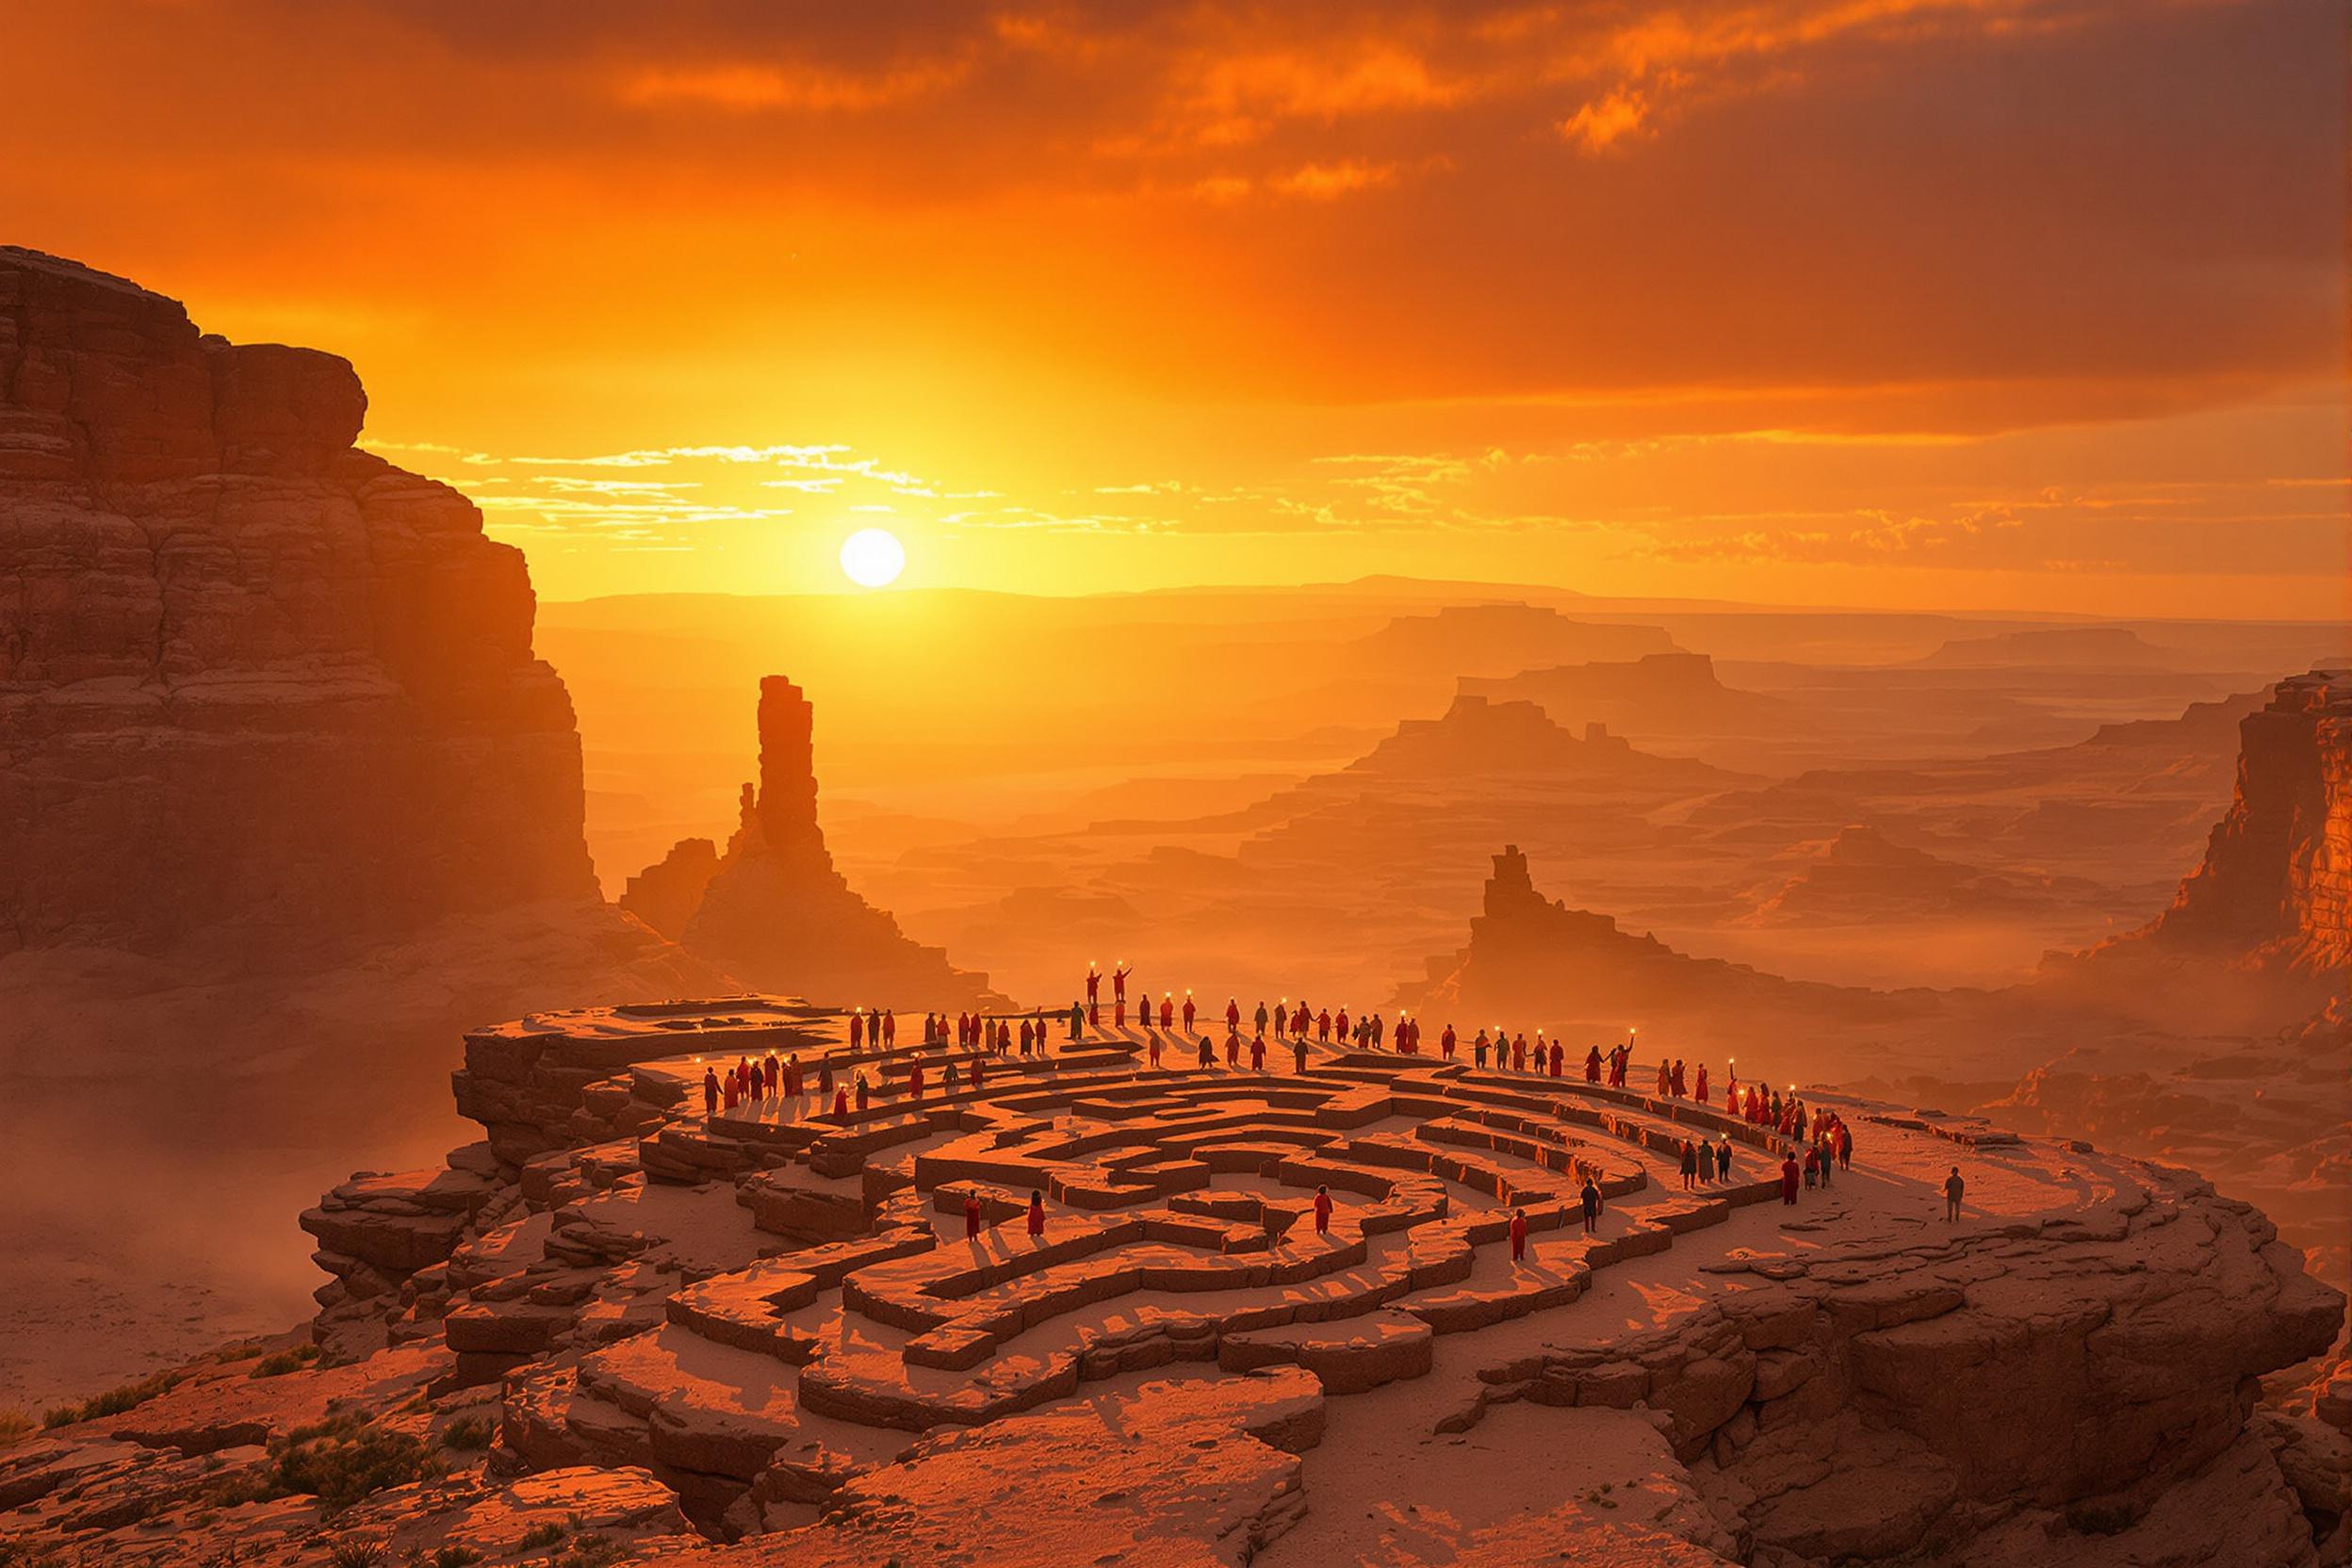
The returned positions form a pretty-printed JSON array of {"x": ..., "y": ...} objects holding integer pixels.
[{"x": 873, "y": 557}]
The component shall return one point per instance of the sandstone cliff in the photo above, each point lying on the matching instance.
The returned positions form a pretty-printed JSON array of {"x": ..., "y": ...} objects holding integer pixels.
[
  {"x": 774, "y": 911},
  {"x": 248, "y": 674}
]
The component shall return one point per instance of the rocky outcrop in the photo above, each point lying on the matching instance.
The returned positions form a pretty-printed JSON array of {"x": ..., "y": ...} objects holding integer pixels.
[
  {"x": 2275, "y": 884},
  {"x": 774, "y": 911},
  {"x": 1495, "y": 640},
  {"x": 250, "y": 678},
  {"x": 1863, "y": 875},
  {"x": 1531, "y": 956},
  {"x": 666, "y": 894}
]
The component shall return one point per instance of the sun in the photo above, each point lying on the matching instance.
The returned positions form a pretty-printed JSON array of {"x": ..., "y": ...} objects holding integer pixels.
[{"x": 873, "y": 557}]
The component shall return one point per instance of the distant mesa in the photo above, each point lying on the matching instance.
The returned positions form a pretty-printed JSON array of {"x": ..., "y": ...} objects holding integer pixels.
[
  {"x": 1477, "y": 736},
  {"x": 2088, "y": 648},
  {"x": 1496, "y": 639},
  {"x": 1659, "y": 693},
  {"x": 1863, "y": 875},
  {"x": 772, "y": 909},
  {"x": 250, "y": 678}
]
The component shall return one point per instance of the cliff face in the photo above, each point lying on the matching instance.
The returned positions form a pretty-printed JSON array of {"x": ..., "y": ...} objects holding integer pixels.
[
  {"x": 2276, "y": 880},
  {"x": 774, "y": 911},
  {"x": 248, "y": 674}
]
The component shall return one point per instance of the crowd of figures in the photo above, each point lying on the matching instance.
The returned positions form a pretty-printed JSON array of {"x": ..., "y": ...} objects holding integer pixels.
[{"x": 1814, "y": 1145}]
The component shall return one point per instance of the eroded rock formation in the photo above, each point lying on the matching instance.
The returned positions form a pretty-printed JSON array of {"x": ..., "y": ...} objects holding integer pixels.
[
  {"x": 1475, "y": 735},
  {"x": 774, "y": 910},
  {"x": 250, "y": 676}
]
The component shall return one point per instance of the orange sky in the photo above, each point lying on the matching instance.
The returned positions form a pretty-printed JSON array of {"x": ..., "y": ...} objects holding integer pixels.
[{"x": 2027, "y": 304}]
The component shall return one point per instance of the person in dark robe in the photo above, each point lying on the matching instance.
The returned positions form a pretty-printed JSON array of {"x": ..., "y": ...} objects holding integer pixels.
[
  {"x": 1519, "y": 1053},
  {"x": 1518, "y": 1234},
  {"x": 1119, "y": 982},
  {"x": 825, "y": 1078},
  {"x": 1094, "y": 1015},
  {"x": 1257, "y": 1054},
  {"x": 1676, "y": 1085},
  {"x": 890, "y": 1028},
  {"x": 1478, "y": 1052},
  {"x": 857, "y": 1030},
  {"x": 1094, "y": 983},
  {"x": 947, "y": 1079},
  {"x": 1589, "y": 1202},
  {"x": 1037, "y": 1215},
  {"x": 864, "y": 1093},
  {"x": 709, "y": 1092},
  {"x": 1689, "y": 1164},
  {"x": 1322, "y": 1211},
  {"x": 1298, "y": 1054},
  {"x": 1155, "y": 1050},
  {"x": 1188, "y": 1012},
  {"x": 1282, "y": 1020},
  {"x": 1260, "y": 1017},
  {"x": 1826, "y": 1149},
  {"x": 971, "y": 1214},
  {"x": 1722, "y": 1158},
  {"x": 1233, "y": 1049},
  {"x": 1593, "y": 1065},
  {"x": 979, "y": 1076},
  {"x": 1845, "y": 1146},
  {"x": 1790, "y": 1175},
  {"x": 1706, "y": 1163},
  {"x": 1077, "y": 1021},
  {"x": 1208, "y": 1056}
]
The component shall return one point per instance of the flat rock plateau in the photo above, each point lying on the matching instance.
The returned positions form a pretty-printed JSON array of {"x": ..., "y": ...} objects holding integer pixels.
[{"x": 616, "y": 1328}]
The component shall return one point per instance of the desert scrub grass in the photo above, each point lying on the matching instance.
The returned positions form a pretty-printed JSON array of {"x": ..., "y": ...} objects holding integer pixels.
[
  {"x": 468, "y": 1434},
  {"x": 278, "y": 1363},
  {"x": 114, "y": 1401}
]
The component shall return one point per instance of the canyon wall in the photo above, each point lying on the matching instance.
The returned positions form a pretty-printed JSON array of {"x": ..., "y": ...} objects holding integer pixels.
[{"x": 252, "y": 680}]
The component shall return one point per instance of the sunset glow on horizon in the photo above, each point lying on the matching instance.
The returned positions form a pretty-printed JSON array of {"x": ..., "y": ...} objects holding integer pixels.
[{"x": 2028, "y": 305}]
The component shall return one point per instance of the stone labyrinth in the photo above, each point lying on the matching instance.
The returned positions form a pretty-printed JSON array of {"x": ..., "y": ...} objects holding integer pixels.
[{"x": 817, "y": 1295}]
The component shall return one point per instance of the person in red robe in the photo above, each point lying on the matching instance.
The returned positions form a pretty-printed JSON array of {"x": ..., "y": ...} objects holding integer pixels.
[
  {"x": 1518, "y": 1234},
  {"x": 1519, "y": 1054},
  {"x": 1790, "y": 1174},
  {"x": 979, "y": 1076},
  {"x": 1593, "y": 1065},
  {"x": 1155, "y": 1049},
  {"x": 709, "y": 1092},
  {"x": 1446, "y": 1043},
  {"x": 1094, "y": 984},
  {"x": 1232, "y": 1014},
  {"x": 1094, "y": 1015},
  {"x": 1702, "y": 1094},
  {"x": 1168, "y": 1010},
  {"x": 971, "y": 1214},
  {"x": 1559, "y": 1059},
  {"x": 1233, "y": 1049},
  {"x": 914, "y": 1081},
  {"x": 1037, "y": 1215},
  {"x": 1257, "y": 1054},
  {"x": 890, "y": 1028},
  {"x": 857, "y": 1030},
  {"x": 1322, "y": 1211},
  {"x": 1323, "y": 1027},
  {"x": 841, "y": 1104},
  {"x": 1339, "y": 1026},
  {"x": 1119, "y": 982},
  {"x": 734, "y": 1091},
  {"x": 1119, "y": 1013}
]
